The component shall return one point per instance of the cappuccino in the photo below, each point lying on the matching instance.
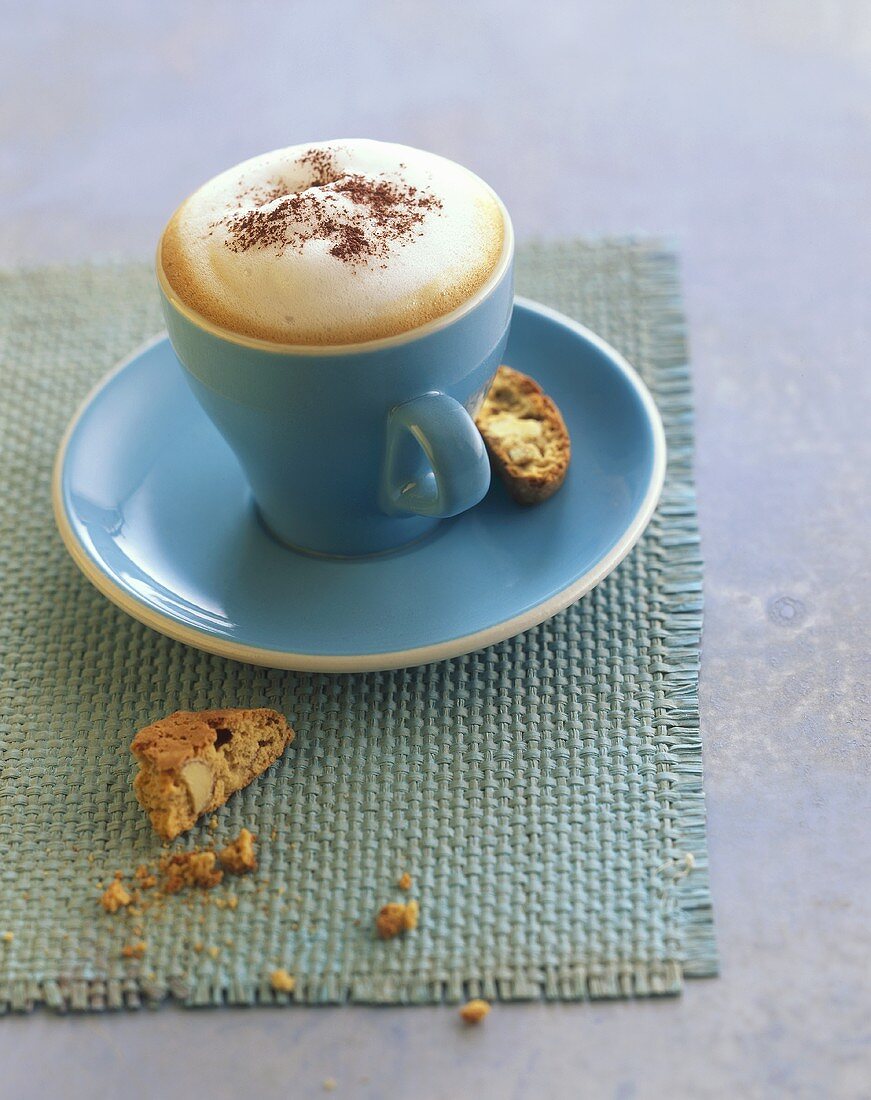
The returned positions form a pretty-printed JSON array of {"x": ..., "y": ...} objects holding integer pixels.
[{"x": 333, "y": 243}]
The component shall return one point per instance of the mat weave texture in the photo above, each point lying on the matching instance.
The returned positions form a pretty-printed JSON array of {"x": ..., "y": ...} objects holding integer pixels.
[{"x": 544, "y": 794}]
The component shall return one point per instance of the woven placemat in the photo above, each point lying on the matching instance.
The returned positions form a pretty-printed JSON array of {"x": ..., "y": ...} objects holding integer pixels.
[{"x": 545, "y": 794}]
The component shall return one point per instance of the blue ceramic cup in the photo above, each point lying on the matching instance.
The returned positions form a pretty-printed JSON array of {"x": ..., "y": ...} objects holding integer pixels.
[{"x": 358, "y": 448}]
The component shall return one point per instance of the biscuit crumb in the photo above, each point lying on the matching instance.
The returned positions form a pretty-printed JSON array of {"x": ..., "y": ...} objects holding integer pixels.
[
  {"x": 282, "y": 982},
  {"x": 7, "y": 937},
  {"x": 134, "y": 950},
  {"x": 213, "y": 951},
  {"x": 213, "y": 823},
  {"x": 329, "y": 1084},
  {"x": 232, "y": 901},
  {"x": 198, "y": 946},
  {"x": 473, "y": 1012},
  {"x": 190, "y": 869},
  {"x": 397, "y": 917},
  {"x": 115, "y": 896},
  {"x": 145, "y": 880},
  {"x": 404, "y": 882},
  {"x": 238, "y": 857}
]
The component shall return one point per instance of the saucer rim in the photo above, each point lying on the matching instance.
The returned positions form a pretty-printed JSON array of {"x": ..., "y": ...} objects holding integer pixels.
[{"x": 387, "y": 660}]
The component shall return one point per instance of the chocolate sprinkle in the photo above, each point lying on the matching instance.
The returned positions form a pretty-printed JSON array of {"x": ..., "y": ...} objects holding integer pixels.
[{"x": 361, "y": 217}]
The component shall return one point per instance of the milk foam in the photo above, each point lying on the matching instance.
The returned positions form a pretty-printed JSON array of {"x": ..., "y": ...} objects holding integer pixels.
[{"x": 296, "y": 246}]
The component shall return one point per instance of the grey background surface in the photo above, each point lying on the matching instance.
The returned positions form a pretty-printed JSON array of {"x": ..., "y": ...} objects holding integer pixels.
[{"x": 742, "y": 130}]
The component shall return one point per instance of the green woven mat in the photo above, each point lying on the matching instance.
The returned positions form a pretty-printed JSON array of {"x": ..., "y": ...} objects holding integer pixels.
[{"x": 545, "y": 794}]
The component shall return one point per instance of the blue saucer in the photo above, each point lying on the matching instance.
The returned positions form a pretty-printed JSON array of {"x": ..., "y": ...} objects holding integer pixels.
[{"x": 154, "y": 510}]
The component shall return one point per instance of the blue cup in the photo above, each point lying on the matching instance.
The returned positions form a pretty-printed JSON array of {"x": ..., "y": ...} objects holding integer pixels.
[{"x": 360, "y": 448}]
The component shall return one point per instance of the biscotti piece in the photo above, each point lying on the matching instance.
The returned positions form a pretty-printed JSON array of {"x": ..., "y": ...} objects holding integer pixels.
[
  {"x": 191, "y": 762},
  {"x": 526, "y": 436}
]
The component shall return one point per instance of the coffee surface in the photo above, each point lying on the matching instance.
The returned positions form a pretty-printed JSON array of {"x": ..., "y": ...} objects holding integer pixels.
[{"x": 333, "y": 243}]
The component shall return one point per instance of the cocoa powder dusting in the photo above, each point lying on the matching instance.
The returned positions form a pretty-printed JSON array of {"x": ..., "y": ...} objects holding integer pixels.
[
  {"x": 320, "y": 163},
  {"x": 359, "y": 216}
]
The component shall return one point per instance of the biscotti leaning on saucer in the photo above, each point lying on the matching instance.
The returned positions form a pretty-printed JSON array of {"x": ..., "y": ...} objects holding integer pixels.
[
  {"x": 526, "y": 436},
  {"x": 192, "y": 761}
]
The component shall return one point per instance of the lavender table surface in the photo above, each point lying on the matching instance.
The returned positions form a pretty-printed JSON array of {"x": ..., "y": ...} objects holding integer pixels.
[{"x": 742, "y": 130}]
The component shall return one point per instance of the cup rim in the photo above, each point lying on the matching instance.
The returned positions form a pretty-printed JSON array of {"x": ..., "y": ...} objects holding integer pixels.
[{"x": 379, "y": 344}]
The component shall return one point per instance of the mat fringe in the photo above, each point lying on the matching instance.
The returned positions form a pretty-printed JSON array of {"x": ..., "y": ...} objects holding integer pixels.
[
  {"x": 682, "y": 578},
  {"x": 550, "y": 984}
]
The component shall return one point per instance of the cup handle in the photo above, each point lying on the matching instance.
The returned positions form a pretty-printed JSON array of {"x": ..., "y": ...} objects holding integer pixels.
[{"x": 459, "y": 474}]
